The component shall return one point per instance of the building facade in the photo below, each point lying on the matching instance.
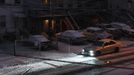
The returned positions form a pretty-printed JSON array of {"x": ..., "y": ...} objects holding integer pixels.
[
  {"x": 58, "y": 15},
  {"x": 12, "y": 16}
]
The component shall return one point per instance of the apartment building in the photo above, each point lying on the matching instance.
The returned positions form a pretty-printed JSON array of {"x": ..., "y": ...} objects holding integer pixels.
[
  {"x": 11, "y": 16},
  {"x": 58, "y": 15}
]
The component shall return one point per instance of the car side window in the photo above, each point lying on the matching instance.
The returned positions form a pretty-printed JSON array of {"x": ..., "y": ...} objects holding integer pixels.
[
  {"x": 106, "y": 44},
  {"x": 111, "y": 42}
]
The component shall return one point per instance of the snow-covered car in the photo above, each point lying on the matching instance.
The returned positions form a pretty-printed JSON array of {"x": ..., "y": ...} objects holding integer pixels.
[
  {"x": 100, "y": 47},
  {"x": 117, "y": 33},
  {"x": 103, "y": 25},
  {"x": 39, "y": 41},
  {"x": 93, "y": 29},
  {"x": 103, "y": 35},
  {"x": 124, "y": 27},
  {"x": 95, "y": 33},
  {"x": 114, "y": 28},
  {"x": 130, "y": 32},
  {"x": 120, "y": 25},
  {"x": 72, "y": 37}
]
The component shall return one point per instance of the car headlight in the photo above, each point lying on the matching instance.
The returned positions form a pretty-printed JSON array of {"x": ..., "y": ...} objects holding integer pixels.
[
  {"x": 83, "y": 51},
  {"x": 91, "y": 53}
]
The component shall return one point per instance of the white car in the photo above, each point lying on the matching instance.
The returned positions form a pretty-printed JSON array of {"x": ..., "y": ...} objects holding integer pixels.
[
  {"x": 39, "y": 40},
  {"x": 72, "y": 37}
]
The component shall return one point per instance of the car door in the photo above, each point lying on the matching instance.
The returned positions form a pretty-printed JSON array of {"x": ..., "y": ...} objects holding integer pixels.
[
  {"x": 112, "y": 44},
  {"x": 107, "y": 48}
]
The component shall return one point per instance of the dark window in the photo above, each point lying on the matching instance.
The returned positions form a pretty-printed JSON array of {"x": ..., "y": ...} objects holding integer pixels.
[
  {"x": 2, "y": 1},
  {"x": 2, "y": 21},
  {"x": 17, "y": 1},
  {"x": 112, "y": 42},
  {"x": 130, "y": 1},
  {"x": 106, "y": 44},
  {"x": 60, "y": 5},
  {"x": 98, "y": 43},
  {"x": 70, "y": 5}
]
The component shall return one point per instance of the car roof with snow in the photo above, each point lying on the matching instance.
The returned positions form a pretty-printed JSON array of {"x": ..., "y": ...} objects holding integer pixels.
[
  {"x": 72, "y": 33},
  {"x": 94, "y": 28},
  {"x": 39, "y": 37},
  {"x": 123, "y": 25}
]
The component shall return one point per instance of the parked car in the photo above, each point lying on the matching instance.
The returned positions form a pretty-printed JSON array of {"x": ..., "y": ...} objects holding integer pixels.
[
  {"x": 129, "y": 32},
  {"x": 72, "y": 37},
  {"x": 114, "y": 28},
  {"x": 103, "y": 25},
  {"x": 117, "y": 33},
  {"x": 103, "y": 35},
  {"x": 126, "y": 29},
  {"x": 100, "y": 47},
  {"x": 120, "y": 25},
  {"x": 93, "y": 29},
  {"x": 39, "y": 41},
  {"x": 95, "y": 33}
]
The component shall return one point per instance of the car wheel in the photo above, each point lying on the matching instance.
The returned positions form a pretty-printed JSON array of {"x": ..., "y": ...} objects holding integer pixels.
[
  {"x": 116, "y": 49},
  {"x": 98, "y": 53}
]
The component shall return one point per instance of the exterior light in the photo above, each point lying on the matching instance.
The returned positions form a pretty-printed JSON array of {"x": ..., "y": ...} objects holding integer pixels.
[{"x": 45, "y": 2}]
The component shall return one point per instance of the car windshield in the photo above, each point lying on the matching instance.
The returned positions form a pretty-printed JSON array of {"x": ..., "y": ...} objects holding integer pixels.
[
  {"x": 98, "y": 43},
  {"x": 87, "y": 49}
]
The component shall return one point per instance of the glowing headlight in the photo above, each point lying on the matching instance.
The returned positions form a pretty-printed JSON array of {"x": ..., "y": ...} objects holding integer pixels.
[
  {"x": 91, "y": 53},
  {"x": 83, "y": 51}
]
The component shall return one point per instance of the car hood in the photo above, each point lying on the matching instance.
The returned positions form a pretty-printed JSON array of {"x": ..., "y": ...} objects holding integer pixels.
[{"x": 92, "y": 47}]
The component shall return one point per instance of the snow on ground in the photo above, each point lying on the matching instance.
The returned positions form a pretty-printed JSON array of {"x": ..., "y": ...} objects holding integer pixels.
[
  {"x": 11, "y": 65},
  {"x": 21, "y": 69}
]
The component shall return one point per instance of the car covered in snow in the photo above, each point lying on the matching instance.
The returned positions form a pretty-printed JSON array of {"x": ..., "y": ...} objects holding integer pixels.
[
  {"x": 93, "y": 29},
  {"x": 124, "y": 27},
  {"x": 39, "y": 41},
  {"x": 101, "y": 47},
  {"x": 96, "y": 33},
  {"x": 117, "y": 33},
  {"x": 120, "y": 25},
  {"x": 72, "y": 37},
  {"x": 130, "y": 32}
]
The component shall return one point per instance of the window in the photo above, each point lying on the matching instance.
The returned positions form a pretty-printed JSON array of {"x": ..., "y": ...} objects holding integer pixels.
[
  {"x": 2, "y": 1},
  {"x": 106, "y": 44},
  {"x": 130, "y": 1},
  {"x": 112, "y": 42},
  {"x": 2, "y": 21},
  {"x": 17, "y": 1},
  {"x": 98, "y": 43},
  {"x": 45, "y": 2},
  {"x": 70, "y": 5}
]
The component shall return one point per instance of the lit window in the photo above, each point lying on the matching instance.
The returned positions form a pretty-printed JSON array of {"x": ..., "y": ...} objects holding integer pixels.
[{"x": 45, "y": 2}]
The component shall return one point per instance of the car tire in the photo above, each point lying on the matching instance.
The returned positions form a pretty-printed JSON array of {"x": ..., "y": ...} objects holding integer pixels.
[
  {"x": 98, "y": 53},
  {"x": 116, "y": 49}
]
